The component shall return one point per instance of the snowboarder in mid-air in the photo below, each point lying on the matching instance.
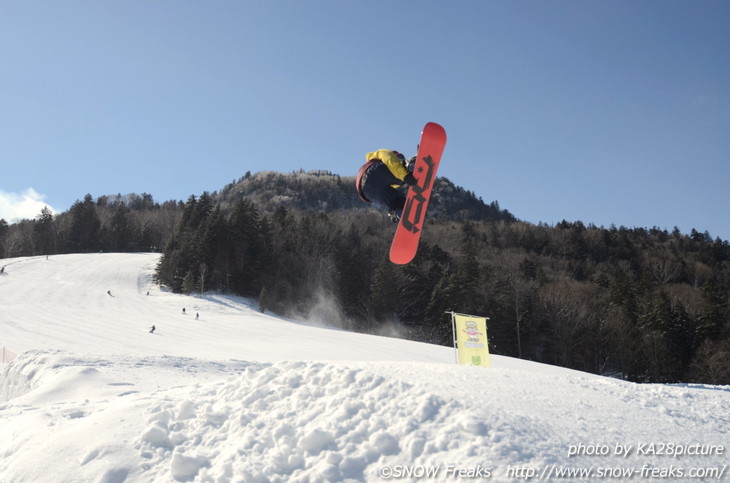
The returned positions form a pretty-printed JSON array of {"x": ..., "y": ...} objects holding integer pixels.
[
  {"x": 379, "y": 179},
  {"x": 386, "y": 171}
]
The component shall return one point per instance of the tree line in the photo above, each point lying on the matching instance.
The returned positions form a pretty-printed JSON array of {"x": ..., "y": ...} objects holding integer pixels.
[
  {"x": 641, "y": 304},
  {"x": 119, "y": 223}
]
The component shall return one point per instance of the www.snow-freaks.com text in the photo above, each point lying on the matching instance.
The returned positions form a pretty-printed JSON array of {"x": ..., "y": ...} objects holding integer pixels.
[
  {"x": 550, "y": 472},
  {"x": 645, "y": 472}
]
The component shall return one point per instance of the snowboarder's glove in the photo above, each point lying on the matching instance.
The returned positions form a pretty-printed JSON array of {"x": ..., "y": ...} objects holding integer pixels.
[
  {"x": 410, "y": 164},
  {"x": 410, "y": 180}
]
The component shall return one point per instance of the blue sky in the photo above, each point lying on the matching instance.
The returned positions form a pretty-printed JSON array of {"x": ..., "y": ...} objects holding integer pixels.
[{"x": 608, "y": 112}]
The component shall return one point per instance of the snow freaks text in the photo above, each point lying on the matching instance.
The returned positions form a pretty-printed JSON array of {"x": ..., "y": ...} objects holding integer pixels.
[{"x": 658, "y": 461}]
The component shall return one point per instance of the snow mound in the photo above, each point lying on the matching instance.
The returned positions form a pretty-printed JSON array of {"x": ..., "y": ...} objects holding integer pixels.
[
  {"x": 24, "y": 374},
  {"x": 307, "y": 421},
  {"x": 178, "y": 419}
]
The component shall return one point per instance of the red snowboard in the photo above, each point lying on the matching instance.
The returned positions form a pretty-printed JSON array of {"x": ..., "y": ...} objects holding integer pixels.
[{"x": 405, "y": 241}]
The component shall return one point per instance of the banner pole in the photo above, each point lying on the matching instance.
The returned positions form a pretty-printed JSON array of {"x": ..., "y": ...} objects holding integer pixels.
[{"x": 453, "y": 335}]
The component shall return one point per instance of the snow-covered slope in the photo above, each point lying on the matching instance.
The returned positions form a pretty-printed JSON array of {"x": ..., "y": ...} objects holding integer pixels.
[{"x": 242, "y": 396}]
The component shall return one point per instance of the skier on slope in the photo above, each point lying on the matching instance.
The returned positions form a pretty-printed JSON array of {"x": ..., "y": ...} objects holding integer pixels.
[{"x": 380, "y": 177}]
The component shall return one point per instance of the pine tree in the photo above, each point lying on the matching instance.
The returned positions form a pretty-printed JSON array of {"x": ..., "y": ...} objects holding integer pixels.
[
  {"x": 417, "y": 280},
  {"x": 654, "y": 325},
  {"x": 44, "y": 232},
  {"x": 4, "y": 230},
  {"x": 85, "y": 232},
  {"x": 464, "y": 289},
  {"x": 188, "y": 285},
  {"x": 714, "y": 320},
  {"x": 189, "y": 216},
  {"x": 680, "y": 337},
  {"x": 384, "y": 290},
  {"x": 213, "y": 239},
  {"x": 247, "y": 249},
  {"x": 353, "y": 274},
  {"x": 440, "y": 331},
  {"x": 119, "y": 232}
]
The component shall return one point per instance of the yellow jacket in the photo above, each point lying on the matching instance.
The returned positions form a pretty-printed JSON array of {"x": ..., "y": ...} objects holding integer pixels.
[{"x": 389, "y": 158}]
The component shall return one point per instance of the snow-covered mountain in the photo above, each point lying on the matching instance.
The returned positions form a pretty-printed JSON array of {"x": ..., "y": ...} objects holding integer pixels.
[{"x": 223, "y": 392}]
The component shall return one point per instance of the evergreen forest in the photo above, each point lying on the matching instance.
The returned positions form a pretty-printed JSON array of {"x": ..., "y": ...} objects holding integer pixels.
[{"x": 641, "y": 304}]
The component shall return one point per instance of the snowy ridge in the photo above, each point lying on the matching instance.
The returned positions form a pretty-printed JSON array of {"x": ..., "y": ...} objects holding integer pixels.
[{"x": 243, "y": 396}]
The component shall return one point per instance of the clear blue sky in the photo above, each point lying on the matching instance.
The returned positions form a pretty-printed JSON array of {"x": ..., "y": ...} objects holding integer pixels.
[{"x": 608, "y": 112}]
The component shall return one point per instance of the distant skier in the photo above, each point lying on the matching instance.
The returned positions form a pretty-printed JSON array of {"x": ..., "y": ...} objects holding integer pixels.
[
  {"x": 197, "y": 316},
  {"x": 152, "y": 330},
  {"x": 184, "y": 313},
  {"x": 2, "y": 270},
  {"x": 380, "y": 177},
  {"x": 109, "y": 293}
]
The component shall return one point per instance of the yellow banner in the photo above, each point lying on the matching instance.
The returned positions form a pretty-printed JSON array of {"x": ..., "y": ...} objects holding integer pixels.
[{"x": 471, "y": 340}]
